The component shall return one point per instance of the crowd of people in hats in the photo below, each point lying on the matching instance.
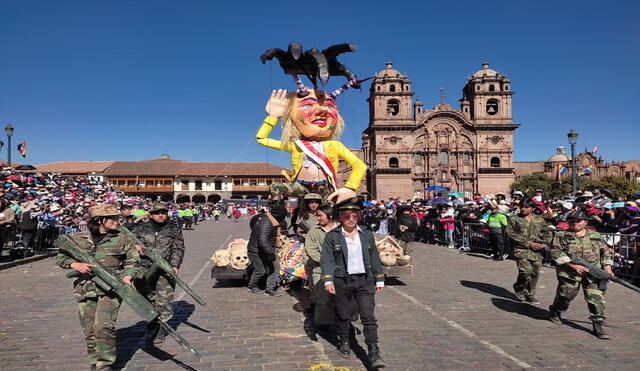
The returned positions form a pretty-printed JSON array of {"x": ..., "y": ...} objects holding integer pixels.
[
  {"x": 422, "y": 220},
  {"x": 36, "y": 207}
]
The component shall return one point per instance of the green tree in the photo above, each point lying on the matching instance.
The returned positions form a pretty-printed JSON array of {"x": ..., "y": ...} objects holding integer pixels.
[{"x": 621, "y": 187}]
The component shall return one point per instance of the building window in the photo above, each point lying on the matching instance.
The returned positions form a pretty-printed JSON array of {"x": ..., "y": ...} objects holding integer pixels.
[
  {"x": 198, "y": 185},
  {"x": 492, "y": 88},
  {"x": 122, "y": 182},
  {"x": 269, "y": 182},
  {"x": 218, "y": 185},
  {"x": 378, "y": 87},
  {"x": 466, "y": 158},
  {"x": 406, "y": 88},
  {"x": 237, "y": 182},
  {"x": 245, "y": 182},
  {"x": 393, "y": 162},
  {"x": 131, "y": 183},
  {"x": 392, "y": 88},
  {"x": 477, "y": 87},
  {"x": 261, "y": 182},
  {"x": 506, "y": 87},
  {"x": 168, "y": 183},
  {"x": 393, "y": 107},
  {"x": 492, "y": 107},
  {"x": 443, "y": 156},
  {"x": 253, "y": 182},
  {"x": 495, "y": 162}
]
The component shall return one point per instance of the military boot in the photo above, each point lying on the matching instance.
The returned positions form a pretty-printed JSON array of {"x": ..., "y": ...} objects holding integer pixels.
[
  {"x": 598, "y": 331},
  {"x": 159, "y": 339},
  {"x": 343, "y": 347},
  {"x": 554, "y": 315},
  {"x": 374, "y": 357}
]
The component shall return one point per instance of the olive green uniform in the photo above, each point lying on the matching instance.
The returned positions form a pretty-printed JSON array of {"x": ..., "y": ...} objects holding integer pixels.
[
  {"x": 522, "y": 233},
  {"x": 168, "y": 240},
  {"x": 98, "y": 311},
  {"x": 566, "y": 246}
]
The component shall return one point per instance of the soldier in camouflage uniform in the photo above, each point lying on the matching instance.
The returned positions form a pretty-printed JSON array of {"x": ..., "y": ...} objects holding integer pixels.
[
  {"x": 113, "y": 246},
  {"x": 163, "y": 234},
  {"x": 524, "y": 231},
  {"x": 582, "y": 243}
]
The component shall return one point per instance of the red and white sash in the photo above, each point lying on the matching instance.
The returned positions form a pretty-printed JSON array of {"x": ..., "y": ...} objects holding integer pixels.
[{"x": 319, "y": 159}]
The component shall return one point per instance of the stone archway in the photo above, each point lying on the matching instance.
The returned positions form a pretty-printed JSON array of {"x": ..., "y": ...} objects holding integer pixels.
[
  {"x": 167, "y": 197},
  {"x": 214, "y": 198},
  {"x": 183, "y": 199},
  {"x": 198, "y": 199}
]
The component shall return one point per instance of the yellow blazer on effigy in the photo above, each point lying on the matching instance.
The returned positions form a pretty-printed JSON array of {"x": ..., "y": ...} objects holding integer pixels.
[{"x": 333, "y": 149}]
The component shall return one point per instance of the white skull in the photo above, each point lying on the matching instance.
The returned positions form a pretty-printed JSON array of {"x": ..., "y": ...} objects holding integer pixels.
[
  {"x": 239, "y": 257},
  {"x": 388, "y": 258}
]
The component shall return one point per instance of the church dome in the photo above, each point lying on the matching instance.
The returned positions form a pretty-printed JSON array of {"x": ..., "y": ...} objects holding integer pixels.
[
  {"x": 487, "y": 72},
  {"x": 390, "y": 72},
  {"x": 560, "y": 156}
]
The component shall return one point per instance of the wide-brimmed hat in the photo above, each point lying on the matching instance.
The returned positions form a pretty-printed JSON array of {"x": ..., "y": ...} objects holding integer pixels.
[
  {"x": 54, "y": 207},
  {"x": 103, "y": 210}
]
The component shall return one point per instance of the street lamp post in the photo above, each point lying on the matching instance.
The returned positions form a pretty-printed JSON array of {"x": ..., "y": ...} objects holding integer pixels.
[
  {"x": 9, "y": 131},
  {"x": 573, "y": 139}
]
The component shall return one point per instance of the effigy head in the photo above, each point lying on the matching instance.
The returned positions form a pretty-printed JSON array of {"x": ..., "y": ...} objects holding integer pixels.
[{"x": 313, "y": 116}]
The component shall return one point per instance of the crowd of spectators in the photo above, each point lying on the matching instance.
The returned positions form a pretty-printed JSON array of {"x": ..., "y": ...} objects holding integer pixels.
[
  {"x": 36, "y": 207},
  {"x": 447, "y": 219}
]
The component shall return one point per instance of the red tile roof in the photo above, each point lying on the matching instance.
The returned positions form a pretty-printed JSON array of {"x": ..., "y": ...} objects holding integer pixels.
[
  {"x": 74, "y": 167},
  {"x": 169, "y": 167}
]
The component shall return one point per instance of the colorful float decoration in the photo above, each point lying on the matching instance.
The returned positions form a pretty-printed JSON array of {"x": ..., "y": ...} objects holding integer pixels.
[{"x": 311, "y": 124}]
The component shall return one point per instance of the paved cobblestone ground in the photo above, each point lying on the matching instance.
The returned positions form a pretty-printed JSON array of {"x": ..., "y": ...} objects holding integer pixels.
[{"x": 453, "y": 312}]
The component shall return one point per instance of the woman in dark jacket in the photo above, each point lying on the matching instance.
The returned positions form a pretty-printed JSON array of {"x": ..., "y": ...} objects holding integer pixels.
[{"x": 406, "y": 227}]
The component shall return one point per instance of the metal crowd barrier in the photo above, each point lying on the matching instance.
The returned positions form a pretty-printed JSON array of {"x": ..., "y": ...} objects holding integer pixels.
[
  {"x": 432, "y": 231},
  {"x": 626, "y": 260}
]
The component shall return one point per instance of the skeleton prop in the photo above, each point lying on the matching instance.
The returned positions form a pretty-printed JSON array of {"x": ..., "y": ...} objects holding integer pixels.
[
  {"x": 234, "y": 256},
  {"x": 311, "y": 124},
  {"x": 391, "y": 252}
]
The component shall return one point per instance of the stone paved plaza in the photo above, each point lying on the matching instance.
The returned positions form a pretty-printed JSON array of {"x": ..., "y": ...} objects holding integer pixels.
[{"x": 453, "y": 312}]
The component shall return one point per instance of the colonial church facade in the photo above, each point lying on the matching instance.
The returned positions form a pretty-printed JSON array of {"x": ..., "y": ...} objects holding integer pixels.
[{"x": 409, "y": 148}]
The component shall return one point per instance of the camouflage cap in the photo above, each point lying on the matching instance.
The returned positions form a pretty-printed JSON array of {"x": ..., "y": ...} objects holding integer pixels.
[
  {"x": 578, "y": 214},
  {"x": 312, "y": 196},
  {"x": 158, "y": 206},
  {"x": 103, "y": 210}
]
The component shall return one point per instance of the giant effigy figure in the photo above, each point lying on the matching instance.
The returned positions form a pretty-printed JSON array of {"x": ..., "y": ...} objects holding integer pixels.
[{"x": 311, "y": 124}]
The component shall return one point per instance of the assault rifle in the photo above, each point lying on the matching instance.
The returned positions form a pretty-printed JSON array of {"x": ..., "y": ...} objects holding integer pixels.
[
  {"x": 108, "y": 281},
  {"x": 159, "y": 263},
  {"x": 602, "y": 276}
]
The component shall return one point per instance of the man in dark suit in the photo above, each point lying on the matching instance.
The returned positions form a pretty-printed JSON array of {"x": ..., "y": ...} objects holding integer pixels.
[{"x": 351, "y": 267}]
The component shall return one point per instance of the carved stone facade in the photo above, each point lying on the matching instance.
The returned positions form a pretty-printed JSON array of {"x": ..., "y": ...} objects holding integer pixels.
[{"x": 408, "y": 148}]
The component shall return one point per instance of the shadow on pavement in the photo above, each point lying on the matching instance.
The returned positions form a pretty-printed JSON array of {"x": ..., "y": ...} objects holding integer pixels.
[
  {"x": 489, "y": 289},
  {"x": 519, "y": 307},
  {"x": 131, "y": 339},
  {"x": 393, "y": 281}
]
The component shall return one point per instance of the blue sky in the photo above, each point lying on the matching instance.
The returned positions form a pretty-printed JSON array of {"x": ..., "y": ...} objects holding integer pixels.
[{"x": 129, "y": 80}]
